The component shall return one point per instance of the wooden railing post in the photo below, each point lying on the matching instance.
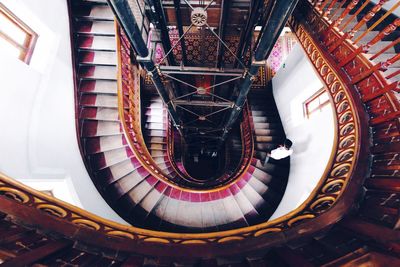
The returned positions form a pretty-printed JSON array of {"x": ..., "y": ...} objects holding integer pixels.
[
  {"x": 329, "y": 8},
  {"x": 333, "y": 45},
  {"x": 364, "y": 48},
  {"x": 367, "y": 17},
  {"x": 339, "y": 20}
]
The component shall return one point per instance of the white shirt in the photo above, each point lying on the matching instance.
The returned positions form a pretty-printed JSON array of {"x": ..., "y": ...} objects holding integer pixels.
[{"x": 281, "y": 152}]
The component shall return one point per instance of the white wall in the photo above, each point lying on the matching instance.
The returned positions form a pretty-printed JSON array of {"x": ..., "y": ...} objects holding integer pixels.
[
  {"x": 312, "y": 138},
  {"x": 38, "y": 141}
]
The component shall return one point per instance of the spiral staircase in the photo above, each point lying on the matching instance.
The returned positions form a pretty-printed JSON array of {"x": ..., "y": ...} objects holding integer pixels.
[{"x": 137, "y": 157}]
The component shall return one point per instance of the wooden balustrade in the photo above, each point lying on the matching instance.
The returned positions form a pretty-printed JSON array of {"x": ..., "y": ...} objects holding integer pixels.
[
  {"x": 380, "y": 20},
  {"x": 331, "y": 199},
  {"x": 379, "y": 212},
  {"x": 354, "y": 16},
  {"x": 364, "y": 48},
  {"x": 339, "y": 20}
]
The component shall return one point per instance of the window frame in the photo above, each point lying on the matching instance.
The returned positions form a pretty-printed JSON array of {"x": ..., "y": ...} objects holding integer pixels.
[
  {"x": 317, "y": 95},
  {"x": 26, "y": 50}
]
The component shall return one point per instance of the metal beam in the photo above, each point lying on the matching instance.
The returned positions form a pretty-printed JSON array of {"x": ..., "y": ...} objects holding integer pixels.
[
  {"x": 128, "y": 22},
  {"x": 178, "y": 14},
  {"x": 200, "y": 103},
  {"x": 245, "y": 37},
  {"x": 222, "y": 23},
  {"x": 200, "y": 71},
  {"x": 161, "y": 23},
  {"x": 269, "y": 34}
]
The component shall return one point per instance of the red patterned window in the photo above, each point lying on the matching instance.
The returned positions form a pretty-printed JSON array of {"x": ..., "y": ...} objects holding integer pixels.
[
  {"x": 317, "y": 103},
  {"x": 16, "y": 38}
]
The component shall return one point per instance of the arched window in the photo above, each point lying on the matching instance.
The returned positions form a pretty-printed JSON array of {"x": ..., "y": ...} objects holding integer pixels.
[{"x": 16, "y": 38}]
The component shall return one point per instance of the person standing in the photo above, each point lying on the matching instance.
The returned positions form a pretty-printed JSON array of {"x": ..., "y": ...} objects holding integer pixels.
[{"x": 281, "y": 152}]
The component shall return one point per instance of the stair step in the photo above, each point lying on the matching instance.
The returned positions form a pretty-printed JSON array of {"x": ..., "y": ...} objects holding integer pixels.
[
  {"x": 99, "y": 100},
  {"x": 99, "y": 12},
  {"x": 244, "y": 204},
  {"x": 266, "y": 125},
  {"x": 150, "y": 201},
  {"x": 159, "y": 160},
  {"x": 105, "y": 114},
  {"x": 122, "y": 169},
  {"x": 157, "y": 140},
  {"x": 389, "y": 71},
  {"x": 139, "y": 191},
  {"x": 109, "y": 158},
  {"x": 93, "y": 42},
  {"x": 103, "y": 28},
  {"x": 98, "y": 72},
  {"x": 100, "y": 128},
  {"x": 158, "y": 147},
  {"x": 255, "y": 113},
  {"x": 156, "y": 105},
  {"x": 155, "y": 112},
  {"x": 264, "y": 146},
  {"x": 262, "y": 176},
  {"x": 267, "y": 132},
  {"x": 233, "y": 210},
  {"x": 383, "y": 58},
  {"x": 253, "y": 196},
  {"x": 98, "y": 57},
  {"x": 155, "y": 118},
  {"x": 126, "y": 183},
  {"x": 378, "y": 47},
  {"x": 157, "y": 153},
  {"x": 259, "y": 119},
  {"x": 98, "y": 86},
  {"x": 155, "y": 126},
  {"x": 104, "y": 143},
  {"x": 266, "y": 138},
  {"x": 155, "y": 133},
  {"x": 368, "y": 37},
  {"x": 351, "y": 24}
]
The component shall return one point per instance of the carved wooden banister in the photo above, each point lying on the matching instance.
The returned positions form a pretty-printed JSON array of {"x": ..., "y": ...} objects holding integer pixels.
[
  {"x": 331, "y": 199},
  {"x": 380, "y": 98}
]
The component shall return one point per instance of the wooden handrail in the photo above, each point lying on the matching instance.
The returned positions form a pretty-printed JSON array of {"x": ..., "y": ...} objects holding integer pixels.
[{"x": 329, "y": 201}]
